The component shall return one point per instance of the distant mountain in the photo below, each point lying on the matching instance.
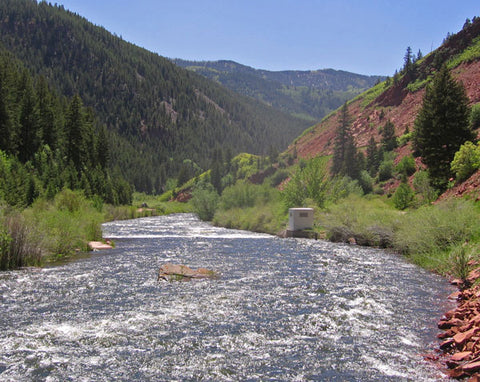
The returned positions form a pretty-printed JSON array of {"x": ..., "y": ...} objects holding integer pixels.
[
  {"x": 307, "y": 94},
  {"x": 159, "y": 116}
]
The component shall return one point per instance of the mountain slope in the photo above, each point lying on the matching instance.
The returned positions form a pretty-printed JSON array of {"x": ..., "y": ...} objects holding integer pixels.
[
  {"x": 401, "y": 99},
  {"x": 309, "y": 94},
  {"x": 160, "y": 113}
]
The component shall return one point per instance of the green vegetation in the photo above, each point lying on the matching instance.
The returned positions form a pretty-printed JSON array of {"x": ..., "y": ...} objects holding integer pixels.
[
  {"x": 466, "y": 161},
  {"x": 470, "y": 54}
]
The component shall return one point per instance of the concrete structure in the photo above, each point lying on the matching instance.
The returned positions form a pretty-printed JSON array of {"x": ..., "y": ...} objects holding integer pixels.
[{"x": 300, "y": 219}]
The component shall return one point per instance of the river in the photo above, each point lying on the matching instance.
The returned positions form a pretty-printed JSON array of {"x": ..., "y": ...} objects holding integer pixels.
[{"x": 282, "y": 310}]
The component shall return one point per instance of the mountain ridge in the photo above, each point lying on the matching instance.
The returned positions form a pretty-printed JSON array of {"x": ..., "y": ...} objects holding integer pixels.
[{"x": 311, "y": 94}]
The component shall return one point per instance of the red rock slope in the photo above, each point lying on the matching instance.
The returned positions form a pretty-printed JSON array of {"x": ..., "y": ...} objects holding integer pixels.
[{"x": 395, "y": 103}]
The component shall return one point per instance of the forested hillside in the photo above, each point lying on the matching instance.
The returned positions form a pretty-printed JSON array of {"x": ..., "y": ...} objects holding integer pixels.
[
  {"x": 307, "y": 94},
  {"x": 159, "y": 117},
  {"x": 48, "y": 143}
]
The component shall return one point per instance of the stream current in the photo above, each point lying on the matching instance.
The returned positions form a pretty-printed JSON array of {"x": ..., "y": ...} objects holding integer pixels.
[{"x": 282, "y": 310}]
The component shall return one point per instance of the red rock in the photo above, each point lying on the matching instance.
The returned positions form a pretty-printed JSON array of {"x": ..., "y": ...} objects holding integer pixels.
[
  {"x": 457, "y": 282},
  {"x": 455, "y": 295},
  {"x": 473, "y": 275},
  {"x": 446, "y": 334},
  {"x": 447, "y": 344},
  {"x": 456, "y": 373},
  {"x": 462, "y": 356},
  {"x": 448, "y": 324},
  {"x": 449, "y": 314},
  {"x": 474, "y": 378},
  {"x": 462, "y": 337},
  {"x": 466, "y": 327},
  {"x": 471, "y": 367}
]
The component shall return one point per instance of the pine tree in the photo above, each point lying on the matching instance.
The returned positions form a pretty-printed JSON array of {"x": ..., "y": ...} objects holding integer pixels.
[
  {"x": 442, "y": 126},
  {"x": 28, "y": 137},
  {"x": 389, "y": 141},
  {"x": 408, "y": 60},
  {"x": 74, "y": 127},
  {"x": 345, "y": 160},
  {"x": 373, "y": 159}
]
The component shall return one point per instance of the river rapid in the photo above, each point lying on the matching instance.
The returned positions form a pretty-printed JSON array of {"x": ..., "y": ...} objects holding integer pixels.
[{"x": 282, "y": 310}]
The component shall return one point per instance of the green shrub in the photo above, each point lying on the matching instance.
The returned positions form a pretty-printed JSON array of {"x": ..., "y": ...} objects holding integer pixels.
[
  {"x": 342, "y": 187},
  {"x": 404, "y": 139},
  {"x": 421, "y": 184},
  {"x": 69, "y": 200},
  {"x": 459, "y": 259},
  {"x": 403, "y": 196},
  {"x": 466, "y": 161},
  {"x": 385, "y": 171},
  {"x": 279, "y": 177},
  {"x": 205, "y": 201},
  {"x": 406, "y": 166},
  {"x": 241, "y": 195},
  {"x": 366, "y": 182},
  {"x": 311, "y": 181}
]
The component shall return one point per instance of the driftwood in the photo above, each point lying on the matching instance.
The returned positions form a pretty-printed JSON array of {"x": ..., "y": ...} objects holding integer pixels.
[{"x": 172, "y": 272}]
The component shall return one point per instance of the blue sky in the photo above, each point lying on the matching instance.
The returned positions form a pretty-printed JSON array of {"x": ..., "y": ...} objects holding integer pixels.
[{"x": 361, "y": 36}]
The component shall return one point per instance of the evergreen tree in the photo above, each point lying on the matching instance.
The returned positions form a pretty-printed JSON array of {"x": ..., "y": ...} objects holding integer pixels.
[
  {"x": 408, "y": 60},
  {"x": 389, "y": 141},
  {"x": 74, "y": 127},
  {"x": 28, "y": 137},
  {"x": 442, "y": 126},
  {"x": 373, "y": 157},
  {"x": 345, "y": 160},
  {"x": 46, "y": 114}
]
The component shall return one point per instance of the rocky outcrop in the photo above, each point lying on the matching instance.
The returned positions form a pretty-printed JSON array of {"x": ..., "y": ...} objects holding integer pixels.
[
  {"x": 176, "y": 272},
  {"x": 461, "y": 336}
]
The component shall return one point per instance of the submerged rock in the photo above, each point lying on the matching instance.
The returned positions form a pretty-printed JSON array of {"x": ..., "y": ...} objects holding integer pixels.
[{"x": 172, "y": 272}]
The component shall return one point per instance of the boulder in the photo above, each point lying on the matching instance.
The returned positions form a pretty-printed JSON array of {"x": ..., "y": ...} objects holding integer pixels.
[
  {"x": 172, "y": 272},
  {"x": 98, "y": 245}
]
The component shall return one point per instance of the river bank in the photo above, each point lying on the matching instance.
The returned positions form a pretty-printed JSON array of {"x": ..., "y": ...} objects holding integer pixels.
[{"x": 460, "y": 344}]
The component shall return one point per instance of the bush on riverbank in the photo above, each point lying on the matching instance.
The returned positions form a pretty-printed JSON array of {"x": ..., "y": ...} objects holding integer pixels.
[{"x": 257, "y": 208}]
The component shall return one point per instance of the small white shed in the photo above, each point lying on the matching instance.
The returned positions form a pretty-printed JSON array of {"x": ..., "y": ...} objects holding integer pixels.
[{"x": 300, "y": 218}]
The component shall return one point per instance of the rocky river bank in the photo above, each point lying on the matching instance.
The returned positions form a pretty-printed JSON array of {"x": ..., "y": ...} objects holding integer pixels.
[{"x": 460, "y": 344}]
